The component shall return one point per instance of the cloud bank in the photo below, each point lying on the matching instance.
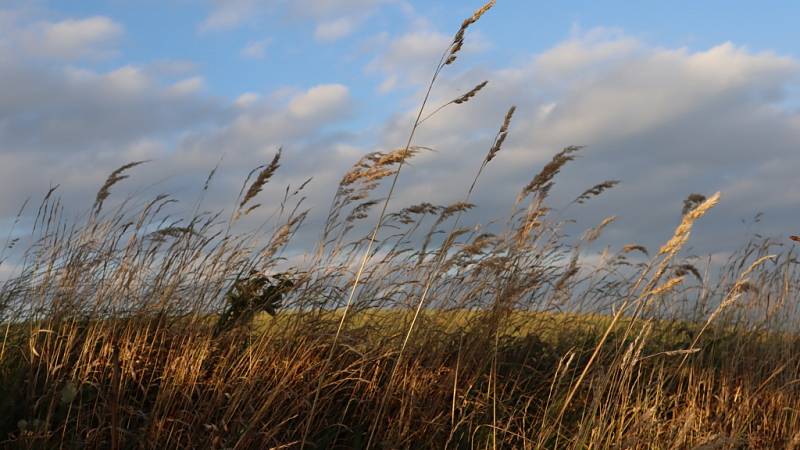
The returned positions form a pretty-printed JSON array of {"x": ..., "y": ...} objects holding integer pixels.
[{"x": 665, "y": 121}]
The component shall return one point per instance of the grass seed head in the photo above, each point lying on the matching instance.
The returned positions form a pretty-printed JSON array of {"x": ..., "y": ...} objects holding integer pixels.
[
  {"x": 263, "y": 177},
  {"x": 458, "y": 40},
  {"x": 465, "y": 98},
  {"x": 502, "y": 134},
  {"x": 115, "y": 177}
]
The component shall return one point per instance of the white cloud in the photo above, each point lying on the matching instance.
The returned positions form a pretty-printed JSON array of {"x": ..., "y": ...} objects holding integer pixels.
[
  {"x": 320, "y": 102},
  {"x": 334, "y": 18},
  {"x": 667, "y": 122},
  {"x": 335, "y": 29},
  {"x": 328, "y": 8},
  {"x": 99, "y": 121},
  {"x": 388, "y": 84},
  {"x": 410, "y": 57},
  {"x": 71, "y": 39},
  {"x": 592, "y": 50},
  {"x": 127, "y": 80},
  {"x": 83, "y": 110},
  {"x": 229, "y": 13},
  {"x": 255, "y": 49},
  {"x": 247, "y": 99},
  {"x": 74, "y": 38},
  {"x": 188, "y": 86},
  {"x": 641, "y": 91}
]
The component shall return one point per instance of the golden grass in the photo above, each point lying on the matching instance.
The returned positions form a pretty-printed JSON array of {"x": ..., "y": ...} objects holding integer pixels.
[{"x": 414, "y": 332}]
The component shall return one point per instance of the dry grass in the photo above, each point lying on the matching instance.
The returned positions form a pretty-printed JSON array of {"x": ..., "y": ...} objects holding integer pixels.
[{"x": 137, "y": 329}]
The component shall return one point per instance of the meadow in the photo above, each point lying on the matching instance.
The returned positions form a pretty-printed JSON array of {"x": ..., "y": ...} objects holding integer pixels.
[{"x": 406, "y": 327}]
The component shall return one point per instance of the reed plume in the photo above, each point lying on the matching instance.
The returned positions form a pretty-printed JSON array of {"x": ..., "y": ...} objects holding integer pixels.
[{"x": 115, "y": 177}]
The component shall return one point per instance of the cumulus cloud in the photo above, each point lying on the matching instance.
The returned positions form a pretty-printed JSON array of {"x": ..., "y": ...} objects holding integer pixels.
[
  {"x": 229, "y": 13},
  {"x": 667, "y": 122},
  {"x": 590, "y": 50},
  {"x": 409, "y": 57},
  {"x": 247, "y": 99},
  {"x": 335, "y": 29},
  {"x": 319, "y": 102},
  {"x": 100, "y": 121},
  {"x": 44, "y": 109},
  {"x": 74, "y": 38},
  {"x": 63, "y": 123},
  {"x": 70, "y": 39},
  {"x": 188, "y": 86}
]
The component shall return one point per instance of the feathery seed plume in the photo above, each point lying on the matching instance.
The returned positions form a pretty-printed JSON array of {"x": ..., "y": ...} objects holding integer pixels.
[
  {"x": 635, "y": 247},
  {"x": 115, "y": 177},
  {"x": 543, "y": 181},
  {"x": 458, "y": 40},
  {"x": 501, "y": 135},
  {"x": 465, "y": 98},
  {"x": 596, "y": 190},
  {"x": 262, "y": 179}
]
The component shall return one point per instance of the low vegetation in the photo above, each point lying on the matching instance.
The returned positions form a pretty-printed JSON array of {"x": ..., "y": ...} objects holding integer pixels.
[{"x": 400, "y": 328}]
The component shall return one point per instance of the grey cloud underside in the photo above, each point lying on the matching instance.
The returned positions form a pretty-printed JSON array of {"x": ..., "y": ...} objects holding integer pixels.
[
  {"x": 45, "y": 110},
  {"x": 665, "y": 122}
]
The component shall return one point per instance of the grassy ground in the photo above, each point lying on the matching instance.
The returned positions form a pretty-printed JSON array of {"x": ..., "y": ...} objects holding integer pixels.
[
  {"x": 138, "y": 383},
  {"x": 401, "y": 327}
]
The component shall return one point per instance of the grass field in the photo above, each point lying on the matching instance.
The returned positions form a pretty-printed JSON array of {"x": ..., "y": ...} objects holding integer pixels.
[{"x": 401, "y": 327}]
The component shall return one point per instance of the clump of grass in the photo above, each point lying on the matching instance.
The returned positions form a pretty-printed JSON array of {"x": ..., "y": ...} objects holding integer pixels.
[
  {"x": 691, "y": 202},
  {"x": 250, "y": 295}
]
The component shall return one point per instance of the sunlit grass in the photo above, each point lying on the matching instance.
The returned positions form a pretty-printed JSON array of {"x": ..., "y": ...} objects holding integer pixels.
[{"x": 403, "y": 326}]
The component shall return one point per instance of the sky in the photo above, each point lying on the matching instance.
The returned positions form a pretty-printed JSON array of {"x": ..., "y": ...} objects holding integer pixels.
[{"x": 670, "y": 98}]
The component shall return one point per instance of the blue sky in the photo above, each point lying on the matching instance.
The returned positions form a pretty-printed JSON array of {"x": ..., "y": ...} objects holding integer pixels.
[
  {"x": 292, "y": 56},
  {"x": 670, "y": 98}
]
